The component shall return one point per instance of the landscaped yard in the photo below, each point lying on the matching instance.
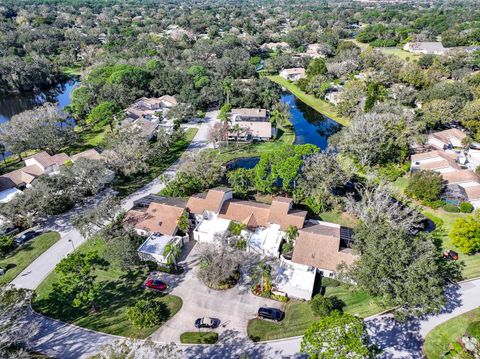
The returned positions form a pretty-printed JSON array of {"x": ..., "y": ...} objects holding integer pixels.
[
  {"x": 128, "y": 185},
  {"x": 319, "y": 105},
  {"x": 396, "y": 51},
  {"x": 437, "y": 341},
  {"x": 120, "y": 289},
  {"x": 199, "y": 337},
  {"x": 298, "y": 315},
  {"x": 18, "y": 260}
]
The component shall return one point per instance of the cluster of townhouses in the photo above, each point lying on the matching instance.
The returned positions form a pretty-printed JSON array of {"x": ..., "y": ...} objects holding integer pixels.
[
  {"x": 319, "y": 248},
  {"x": 447, "y": 155},
  {"x": 37, "y": 165},
  {"x": 150, "y": 114}
]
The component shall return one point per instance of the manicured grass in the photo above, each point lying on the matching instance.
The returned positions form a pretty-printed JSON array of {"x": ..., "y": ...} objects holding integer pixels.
[
  {"x": 342, "y": 218},
  {"x": 396, "y": 51},
  {"x": 120, "y": 290},
  {"x": 72, "y": 70},
  {"x": 437, "y": 341},
  {"x": 319, "y": 105},
  {"x": 128, "y": 185},
  {"x": 299, "y": 316},
  {"x": 20, "y": 259},
  {"x": 199, "y": 338}
]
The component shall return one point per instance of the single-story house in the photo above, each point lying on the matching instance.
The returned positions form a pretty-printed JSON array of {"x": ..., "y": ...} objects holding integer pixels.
[
  {"x": 439, "y": 161},
  {"x": 159, "y": 215},
  {"x": 294, "y": 279},
  {"x": 315, "y": 50},
  {"x": 434, "y": 48},
  {"x": 254, "y": 124},
  {"x": 447, "y": 139},
  {"x": 319, "y": 245},
  {"x": 42, "y": 163},
  {"x": 274, "y": 46},
  {"x": 293, "y": 74}
]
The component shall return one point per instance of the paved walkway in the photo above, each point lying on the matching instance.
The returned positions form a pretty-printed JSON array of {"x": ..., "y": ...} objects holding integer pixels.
[{"x": 39, "y": 269}]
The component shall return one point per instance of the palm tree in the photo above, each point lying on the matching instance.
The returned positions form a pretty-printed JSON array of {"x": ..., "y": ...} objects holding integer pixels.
[
  {"x": 237, "y": 129},
  {"x": 227, "y": 88},
  {"x": 224, "y": 117},
  {"x": 171, "y": 253}
]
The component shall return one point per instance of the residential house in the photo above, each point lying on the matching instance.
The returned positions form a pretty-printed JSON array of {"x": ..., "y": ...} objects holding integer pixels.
[
  {"x": 447, "y": 139},
  {"x": 293, "y": 74},
  {"x": 315, "y": 50},
  {"x": 149, "y": 114},
  {"x": 254, "y": 124},
  {"x": 297, "y": 280},
  {"x": 156, "y": 217},
  {"x": 439, "y": 161},
  {"x": 462, "y": 185},
  {"x": 42, "y": 163},
  {"x": 275, "y": 46},
  {"x": 433, "y": 48},
  {"x": 321, "y": 245}
]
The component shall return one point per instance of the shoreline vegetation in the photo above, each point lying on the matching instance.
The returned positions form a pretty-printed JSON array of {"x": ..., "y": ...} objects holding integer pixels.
[{"x": 321, "y": 106}]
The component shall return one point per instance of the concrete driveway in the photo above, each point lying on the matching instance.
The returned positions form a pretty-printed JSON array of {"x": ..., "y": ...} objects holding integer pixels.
[{"x": 233, "y": 307}]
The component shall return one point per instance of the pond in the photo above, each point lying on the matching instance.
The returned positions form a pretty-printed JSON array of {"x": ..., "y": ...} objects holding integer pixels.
[
  {"x": 310, "y": 126},
  {"x": 14, "y": 104}
]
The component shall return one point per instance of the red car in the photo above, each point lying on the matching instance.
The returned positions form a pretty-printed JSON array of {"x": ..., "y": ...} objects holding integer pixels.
[
  {"x": 450, "y": 255},
  {"x": 156, "y": 284}
]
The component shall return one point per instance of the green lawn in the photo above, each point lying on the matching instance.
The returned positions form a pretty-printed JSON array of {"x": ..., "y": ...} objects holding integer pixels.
[
  {"x": 128, "y": 185},
  {"x": 319, "y": 105},
  {"x": 298, "y": 315},
  {"x": 199, "y": 338},
  {"x": 19, "y": 259},
  {"x": 120, "y": 289},
  {"x": 396, "y": 51},
  {"x": 72, "y": 70},
  {"x": 437, "y": 341}
]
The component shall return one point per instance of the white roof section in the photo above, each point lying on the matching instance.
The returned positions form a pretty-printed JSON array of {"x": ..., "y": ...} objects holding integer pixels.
[
  {"x": 297, "y": 280},
  {"x": 266, "y": 241},
  {"x": 8, "y": 194},
  {"x": 155, "y": 245},
  {"x": 208, "y": 227}
]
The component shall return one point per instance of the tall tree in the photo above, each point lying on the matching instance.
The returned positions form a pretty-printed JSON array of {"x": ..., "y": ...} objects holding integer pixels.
[{"x": 338, "y": 336}]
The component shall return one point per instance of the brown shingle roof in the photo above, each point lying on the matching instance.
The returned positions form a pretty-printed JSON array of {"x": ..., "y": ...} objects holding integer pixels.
[
  {"x": 248, "y": 212},
  {"x": 254, "y": 128},
  {"x": 461, "y": 176},
  {"x": 158, "y": 217},
  {"x": 212, "y": 201},
  {"x": 319, "y": 246},
  {"x": 249, "y": 112},
  {"x": 446, "y": 135},
  {"x": 45, "y": 160},
  {"x": 433, "y": 154},
  {"x": 473, "y": 193},
  {"x": 22, "y": 176},
  {"x": 91, "y": 154}
]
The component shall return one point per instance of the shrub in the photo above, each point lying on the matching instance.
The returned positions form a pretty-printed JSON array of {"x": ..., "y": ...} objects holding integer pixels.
[
  {"x": 236, "y": 228},
  {"x": 199, "y": 338},
  {"x": 466, "y": 207},
  {"x": 392, "y": 171},
  {"x": 465, "y": 233},
  {"x": 323, "y": 306},
  {"x": 425, "y": 186},
  {"x": 434, "y": 204},
  {"x": 330, "y": 282},
  {"x": 451, "y": 208},
  {"x": 147, "y": 313},
  {"x": 280, "y": 298},
  {"x": 6, "y": 245}
]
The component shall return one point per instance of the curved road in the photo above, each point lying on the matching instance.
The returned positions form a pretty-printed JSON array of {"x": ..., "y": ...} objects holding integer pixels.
[{"x": 66, "y": 341}]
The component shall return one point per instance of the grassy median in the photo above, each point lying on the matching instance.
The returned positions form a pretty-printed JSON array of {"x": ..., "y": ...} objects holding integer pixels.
[
  {"x": 199, "y": 338},
  {"x": 20, "y": 258}
]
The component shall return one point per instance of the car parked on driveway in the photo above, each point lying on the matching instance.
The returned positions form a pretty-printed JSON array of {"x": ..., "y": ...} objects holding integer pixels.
[
  {"x": 156, "y": 284},
  {"x": 25, "y": 237},
  {"x": 206, "y": 322},
  {"x": 271, "y": 313}
]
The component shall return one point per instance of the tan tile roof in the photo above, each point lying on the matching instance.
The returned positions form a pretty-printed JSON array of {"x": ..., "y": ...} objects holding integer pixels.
[
  {"x": 439, "y": 165},
  {"x": 319, "y": 246},
  {"x": 281, "y": 213},
  {"x": 22, "y": 176},
  {"x": 249, "y": 112},
  {"x": 91, "y": 154},
  {"x": 60, "y": 158},
  {"x": 294, "y": 71},
  {"x": 446, "y": 135},
  {"x": 157, "y": 217},
  {"x": 211, "y": 201},
  {"x": 247, "y": 212},
  {"x": 169, "y": 98},
  {"x": 46, "y": 160},
  {"x": 461, "y": 176},
  {"x": 147, "y": 127},
  {"x": 254, "y": 128},
  {"x": 433, "y": 154},
  {"x": 473, "y": 193}
]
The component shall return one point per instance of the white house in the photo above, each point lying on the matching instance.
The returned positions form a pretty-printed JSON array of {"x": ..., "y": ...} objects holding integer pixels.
[
  {"x": 447, "y": 139},
  {"x": 296, "y": 280},
  {"x": 153, "y": 249},
  {"x": 439, "y": 161},
  {"x": 433, "y": 48},
  {"x": 293, "y": 74}
]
